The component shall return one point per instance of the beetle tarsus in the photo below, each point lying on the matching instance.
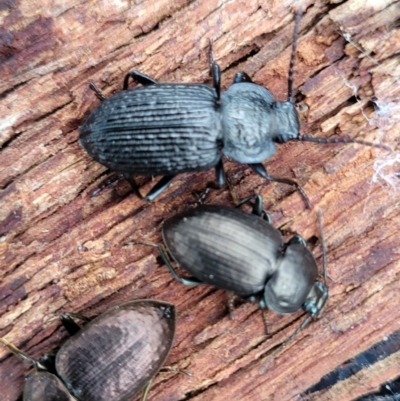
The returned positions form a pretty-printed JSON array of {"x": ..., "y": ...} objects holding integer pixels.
[
  {"x": 97, "y": 91},
  {"x": 108, "y": 181},
  {"x": 177, "y": 370}
]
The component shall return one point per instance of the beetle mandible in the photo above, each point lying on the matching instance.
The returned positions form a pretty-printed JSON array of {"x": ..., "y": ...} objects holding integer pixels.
[
  {"x": 167, "y": 129},
  {"x": 111, "y": 359},
  {"x": 243, "y": 253}
]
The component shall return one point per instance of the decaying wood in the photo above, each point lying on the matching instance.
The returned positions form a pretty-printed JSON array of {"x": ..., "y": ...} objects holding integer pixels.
[{"x": 63, "y": 249}]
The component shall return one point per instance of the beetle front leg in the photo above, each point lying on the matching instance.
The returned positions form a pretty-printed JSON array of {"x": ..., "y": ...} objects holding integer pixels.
[
  {"x": 260, "y": 170},
  {"x": 138, "y": 77}
]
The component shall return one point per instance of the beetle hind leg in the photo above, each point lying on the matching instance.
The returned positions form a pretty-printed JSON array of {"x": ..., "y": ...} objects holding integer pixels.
[
  {"x": 138, "y": 77},
  {"x": 159, "y": 187},
  {"x": 192, "y": 281}
]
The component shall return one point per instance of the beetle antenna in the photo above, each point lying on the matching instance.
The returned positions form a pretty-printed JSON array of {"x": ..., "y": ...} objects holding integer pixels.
[
  {"x": 22, "y": 355},
  {"x": 293, "y": 54},
  {"x": 284, "y": 345},
  {"x": 323, "y": 245},
  {"x": 308, "y": 138}
]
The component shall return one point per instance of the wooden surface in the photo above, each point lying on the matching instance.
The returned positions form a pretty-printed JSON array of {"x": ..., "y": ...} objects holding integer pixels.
[{"x": 62, "y": 249}]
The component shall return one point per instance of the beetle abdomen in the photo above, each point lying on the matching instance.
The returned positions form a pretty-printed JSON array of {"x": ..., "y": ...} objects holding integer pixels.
[
  {"x": 224, "y": 247},
  {"x": 117, "y": 353},
  {"x": 161, "y": 129}
]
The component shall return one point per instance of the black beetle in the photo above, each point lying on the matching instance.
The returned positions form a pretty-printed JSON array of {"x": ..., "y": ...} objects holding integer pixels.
[
  {"x": 112, "y": 358},
  {"x": 245, "y": 254},
  {"x": 167, "y": 129}
]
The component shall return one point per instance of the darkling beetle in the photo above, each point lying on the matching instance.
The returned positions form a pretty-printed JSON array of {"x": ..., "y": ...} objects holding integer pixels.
[
  {"x": 112, "y": 358},
  {"x": 243, "y": 253},
  {"x": 167, "y": 129}
]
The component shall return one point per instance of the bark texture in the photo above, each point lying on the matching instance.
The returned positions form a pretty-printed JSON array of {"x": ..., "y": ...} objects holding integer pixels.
[{"x": 63, "y": 249}]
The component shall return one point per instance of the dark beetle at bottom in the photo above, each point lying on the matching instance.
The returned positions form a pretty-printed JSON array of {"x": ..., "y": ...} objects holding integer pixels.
[
  {"x": 243, "y": 253},
  {"x": 111, "y": 359}
]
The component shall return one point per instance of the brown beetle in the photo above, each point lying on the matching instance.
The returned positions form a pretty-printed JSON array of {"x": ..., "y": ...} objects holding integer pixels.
[{"x": 111, "y": 359}]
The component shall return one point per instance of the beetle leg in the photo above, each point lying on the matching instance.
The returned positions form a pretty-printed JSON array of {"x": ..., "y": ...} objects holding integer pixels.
[
  {"x": 284, "y": 345},
  {"x": 266, "y": 321},
  {"x": 146, "y": 390},
  {"x": 215, "y": 72},
  {"x": 159, "y": 187},
  {"x": 257, "y": 207},
  {"x": 67, "y": 319},
  {"x": 241, "y": 76},
  {"x": 163, "y": 253},
  {"x": 260, "y": 170},
  {"x": 220, "y": 174},
  {"x": 221, "y": 181},
  {"x": 22, "y": 355},
  {"x": 97, "y": 91},
  {"x": 216, "y": 75},
  {"x": 108, "y": 181},
  {"x": 138, "y": 77},
  {"x": 133, "y": 184},
  {"x": 177, "y": 370}
]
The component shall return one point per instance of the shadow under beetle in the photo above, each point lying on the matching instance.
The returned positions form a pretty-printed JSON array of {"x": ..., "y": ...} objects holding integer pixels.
[
  {"x": 167, "y": 129},
  {"x": 111, "y": 359},
  {"x": 243, "y": 253}
]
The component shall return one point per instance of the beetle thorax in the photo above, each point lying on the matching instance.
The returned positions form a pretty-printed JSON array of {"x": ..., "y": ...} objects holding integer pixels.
[{"x": 252, "y": 121}]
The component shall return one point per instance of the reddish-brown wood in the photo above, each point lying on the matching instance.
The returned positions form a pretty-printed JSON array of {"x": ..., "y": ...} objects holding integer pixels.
[{"x": 62, "y": 249}]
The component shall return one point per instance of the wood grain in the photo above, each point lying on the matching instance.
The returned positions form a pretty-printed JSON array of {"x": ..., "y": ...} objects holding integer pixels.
[{"x": 63, "y": 249}]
